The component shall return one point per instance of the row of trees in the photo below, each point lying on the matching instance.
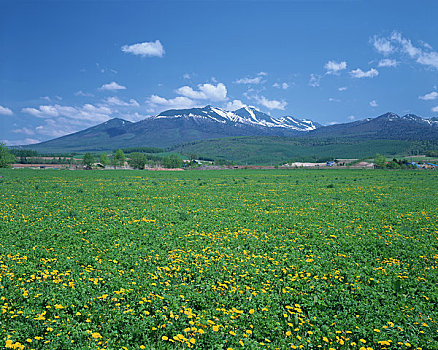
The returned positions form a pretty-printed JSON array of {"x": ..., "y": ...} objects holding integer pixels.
[
  {"x": 137, "y": 160},
  {"x": 118, "y": 159}
]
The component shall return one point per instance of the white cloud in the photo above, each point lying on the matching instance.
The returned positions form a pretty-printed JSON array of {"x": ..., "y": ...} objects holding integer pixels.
[
  {"x": 5, "y": 111},
  {"x": 158, "y": 103},
  {"x": 87, "y": 112},
  {"x": 331, "y": 99},
  {"x": 351, "y": 117},
  {"x": 430, "y": 96},
  {"x": 314, "y": 80},
  {"x": 283, "y": 86},
  {"x": 134, "y": 117},
  {"x": 25, "y": 131},
  {"x": 382, "y": 45},
  {"x": 435, "y": 109},
  {"x": 387, "y": 62},
  {"x": 26, "y": 141},
  {"x": 255, "y": 80},
  {"x": 422, "y": 54},
  {"x": 428, "y": 59},
  {"x": 406, "y": 45},
  {"x": 113, "y": 86},
  {"x": 145, "y": 49},
  {"x": 206, "y": 92},
  {"x": 373, "y": 103},
  {"x": 187, "y": 76},
  {"x": 359, "y": 73},
  {"x": 42, "y": 111},
  {"x": 271, "y": 104},
  {"x": 333, "y": 67},
  {"x": 342, "y": 88},
  {"x": 81, "y": 93},
  {"x": 234, "y": 105},
  {"x": 118, "y": 102}
]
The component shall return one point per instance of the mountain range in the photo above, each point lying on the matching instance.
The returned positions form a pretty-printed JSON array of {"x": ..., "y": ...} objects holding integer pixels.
[{"x": 179, "y": 126}]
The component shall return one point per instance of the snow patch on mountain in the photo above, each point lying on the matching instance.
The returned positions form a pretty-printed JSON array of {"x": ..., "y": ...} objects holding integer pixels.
[{"x": 243, "y": 116}]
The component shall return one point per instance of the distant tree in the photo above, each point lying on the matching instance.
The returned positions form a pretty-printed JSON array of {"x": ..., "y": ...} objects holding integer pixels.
[
  {"x": 88, "y": 160},
  {"x": 394, "y": 164},
  {"x": 379, "y": 161},
  {"x": 104, "y": 160},
  {"x": 6, "y": 158},
  {"x": 172, "y": 161},
  {"x": 119, "y": 158},
  {"x": 137, "y": 160}
]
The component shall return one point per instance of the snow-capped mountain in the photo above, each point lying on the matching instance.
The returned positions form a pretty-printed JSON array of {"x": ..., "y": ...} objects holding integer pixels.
[
  {"x": 179, "y": 126},
  {"x": 249, "y": 116},
  {"x": 385, "y": 126}
]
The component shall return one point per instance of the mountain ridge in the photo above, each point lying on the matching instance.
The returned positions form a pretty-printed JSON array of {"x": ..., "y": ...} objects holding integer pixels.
[{"x": 178, "y": 126}]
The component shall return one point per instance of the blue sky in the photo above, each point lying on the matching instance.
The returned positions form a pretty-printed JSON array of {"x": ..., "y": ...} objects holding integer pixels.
[{"x": 68, "y": 65}]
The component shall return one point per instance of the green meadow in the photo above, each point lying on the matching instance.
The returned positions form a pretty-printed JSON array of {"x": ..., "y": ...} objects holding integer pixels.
[{"x": 301, "y": 259}]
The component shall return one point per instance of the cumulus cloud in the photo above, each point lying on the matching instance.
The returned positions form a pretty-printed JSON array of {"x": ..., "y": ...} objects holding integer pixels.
[
  {"x": 205, "y": 92},
  {"x": 351, "y": 117},
  {"x": 342, "y": 88},
  {"x": 234, "y": 105},
  {"x": 283, "y": 86},
  {"x": 315, "y": 80},
  {"x": 59, "y": 120},
  {"x": 145, "y": 49},
  {"x": 386, "y": 62},
  {"x": 158, "y": 102},
  {"x": 373, "y": 103},
  {"x": 5, "y": 111},
  {"x": 359, "y": 73},
  {"x": 430, "y": 96},
  {"x": 118, "y": 102},
  {"x": 87, "y": 112},
  {"x": 396, "y": 43},
  {"x": 113, "y": 86},
  {"x": 333, "y": 67},
  {"x": 435, "y": 109},
  {"x": 271, "y": 104}
]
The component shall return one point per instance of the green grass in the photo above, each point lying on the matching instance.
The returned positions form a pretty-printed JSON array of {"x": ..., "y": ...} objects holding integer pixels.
[{"x": 271, "y": 259}]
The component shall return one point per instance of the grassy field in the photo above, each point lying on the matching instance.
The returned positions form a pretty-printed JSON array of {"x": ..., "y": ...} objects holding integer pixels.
[{"x": 298, "y": 258}]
